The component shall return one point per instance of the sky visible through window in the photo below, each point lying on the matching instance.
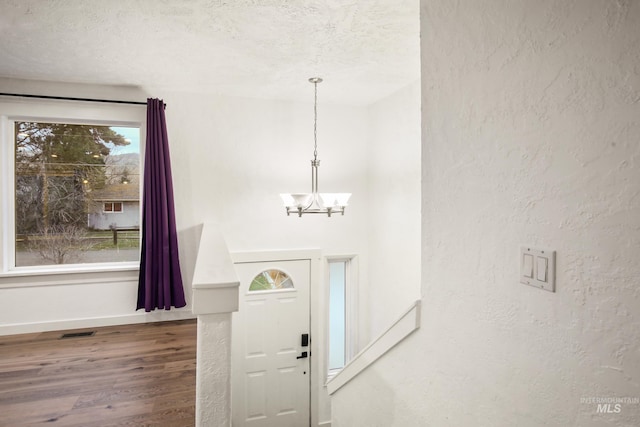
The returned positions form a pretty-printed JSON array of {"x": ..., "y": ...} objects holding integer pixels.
[{"x": 131, "y": 134}]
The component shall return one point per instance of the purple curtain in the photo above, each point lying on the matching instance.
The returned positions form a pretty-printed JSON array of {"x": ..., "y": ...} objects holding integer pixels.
[{"x": 160, "y": 281}]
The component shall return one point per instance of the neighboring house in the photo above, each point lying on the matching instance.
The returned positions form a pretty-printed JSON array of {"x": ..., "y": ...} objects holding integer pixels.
[{"x": 115, "y": 206}]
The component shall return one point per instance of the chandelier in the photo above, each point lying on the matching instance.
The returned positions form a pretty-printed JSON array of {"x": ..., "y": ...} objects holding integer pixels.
[{"x": 314, "y": 202}]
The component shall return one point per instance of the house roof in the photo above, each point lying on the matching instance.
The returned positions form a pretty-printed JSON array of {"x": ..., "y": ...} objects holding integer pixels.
[{"x": 117, "y": 192}]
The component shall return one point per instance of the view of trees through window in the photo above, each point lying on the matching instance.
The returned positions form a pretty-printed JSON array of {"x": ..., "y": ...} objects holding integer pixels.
[{"x": 65, "y": 176}]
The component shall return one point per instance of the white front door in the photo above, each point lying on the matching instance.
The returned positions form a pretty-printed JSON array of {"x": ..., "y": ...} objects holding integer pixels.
[{"x": 270, "y": 376}]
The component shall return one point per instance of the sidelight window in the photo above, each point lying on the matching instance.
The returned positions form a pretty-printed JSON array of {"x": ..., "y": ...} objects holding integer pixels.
[{"x": 342, "y": 313}]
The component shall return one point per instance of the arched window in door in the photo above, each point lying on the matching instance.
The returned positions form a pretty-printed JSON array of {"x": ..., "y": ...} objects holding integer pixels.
[{"x": 270, "y": 280}]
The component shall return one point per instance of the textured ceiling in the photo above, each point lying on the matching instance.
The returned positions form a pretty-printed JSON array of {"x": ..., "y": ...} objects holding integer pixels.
[{"x": 364, "y": 49}]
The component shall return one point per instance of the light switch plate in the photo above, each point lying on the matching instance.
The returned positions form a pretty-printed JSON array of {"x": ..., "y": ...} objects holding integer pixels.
[{"x": 539, "y": 279}]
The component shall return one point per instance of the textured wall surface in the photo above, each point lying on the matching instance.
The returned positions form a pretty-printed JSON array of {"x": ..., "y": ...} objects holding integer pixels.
[
  {"x": 213, "y": 388},
  {"x": 531, "y": 135},
  {"x": 393, "y": 178}
]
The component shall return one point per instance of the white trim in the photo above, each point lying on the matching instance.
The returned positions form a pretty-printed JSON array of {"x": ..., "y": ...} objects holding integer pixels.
[
  {"x": 52, "y": 111},
  {"x": 399, "y": 330},
  {"x": 7, "y": 199},
  {"x": 45, "y": 275},
  {"x": 94, "y": 322},
  {"x": 353, "y": 312},
  {"x": 273, "y": 256},
  {"x": 351, "y": 308}
]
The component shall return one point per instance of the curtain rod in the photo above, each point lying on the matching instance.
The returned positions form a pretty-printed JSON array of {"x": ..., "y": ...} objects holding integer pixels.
[{"x": 66, "y": 98}]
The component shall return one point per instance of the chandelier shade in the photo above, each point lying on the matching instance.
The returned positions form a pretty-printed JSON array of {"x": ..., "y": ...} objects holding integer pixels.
[{"x": 314, "y": 202}]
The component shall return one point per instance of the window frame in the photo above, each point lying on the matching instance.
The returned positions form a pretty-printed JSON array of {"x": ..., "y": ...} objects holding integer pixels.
[
  {"x": 48, "y": 111},
  {"x": 113, "y": 207},
  {"x": 351, "y": 310}
]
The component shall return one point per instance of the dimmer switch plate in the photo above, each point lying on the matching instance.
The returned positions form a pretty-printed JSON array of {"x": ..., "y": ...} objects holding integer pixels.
[{"x": 538, "y": 268}]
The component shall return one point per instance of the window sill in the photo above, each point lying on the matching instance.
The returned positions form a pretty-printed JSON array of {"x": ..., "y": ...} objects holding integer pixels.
[{"x": 78, "y": 274}]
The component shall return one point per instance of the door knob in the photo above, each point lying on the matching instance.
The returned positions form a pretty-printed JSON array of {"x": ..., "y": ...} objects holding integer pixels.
[{"x": 304, "y": 355}]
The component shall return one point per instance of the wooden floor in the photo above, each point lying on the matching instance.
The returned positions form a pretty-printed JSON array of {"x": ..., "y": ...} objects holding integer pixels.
[{"x": 132, "y": 375}]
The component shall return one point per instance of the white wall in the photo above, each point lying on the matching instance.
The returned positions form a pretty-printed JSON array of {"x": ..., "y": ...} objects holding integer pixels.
[
  {"x": 36, "y": 302},
  {"x": 231, "y": 158},
  {"x": 531, "y": 117},
  {"x": 393, "y": 161},
  {"x": 234, "y": 156}
]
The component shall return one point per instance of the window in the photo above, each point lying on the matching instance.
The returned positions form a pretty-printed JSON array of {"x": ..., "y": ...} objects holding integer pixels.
[
  {"x": 113, "y": 207},
  {"x": 342, "y": 313},
  {"x": 337, "y": 318},
  {"x": 270, "y": 280},
  {"x": 62, "y": 181},
  {"x": 61, "y": 171}
]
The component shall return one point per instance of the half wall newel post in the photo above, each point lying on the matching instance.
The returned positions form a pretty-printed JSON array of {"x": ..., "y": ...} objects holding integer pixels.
[{"x": 215, "y": 298}]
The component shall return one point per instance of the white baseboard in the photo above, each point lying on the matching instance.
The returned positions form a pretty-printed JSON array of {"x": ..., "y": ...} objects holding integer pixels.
[
  {"x": 59, "y": 325},
  {"x": 324, "y": 424}
]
